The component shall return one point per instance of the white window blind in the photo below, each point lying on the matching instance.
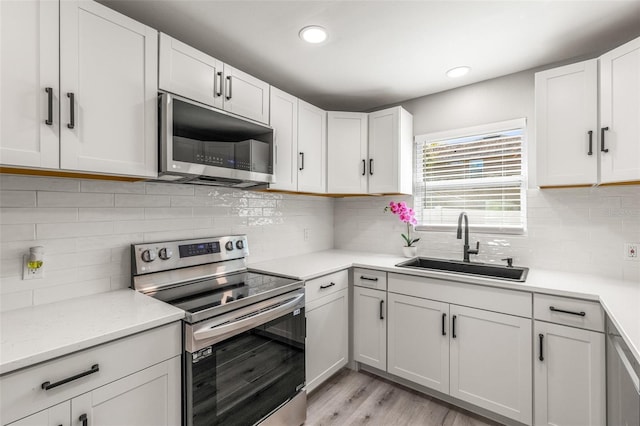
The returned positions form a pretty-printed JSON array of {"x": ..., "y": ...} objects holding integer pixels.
[{"x": 478, "y": 170}]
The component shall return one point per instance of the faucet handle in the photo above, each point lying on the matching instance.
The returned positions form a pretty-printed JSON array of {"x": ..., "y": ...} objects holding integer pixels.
[{"x": 509, "y": 261}]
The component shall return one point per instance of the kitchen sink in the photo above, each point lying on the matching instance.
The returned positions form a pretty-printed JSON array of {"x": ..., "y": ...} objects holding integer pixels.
[{"x": 508, "y": 273}]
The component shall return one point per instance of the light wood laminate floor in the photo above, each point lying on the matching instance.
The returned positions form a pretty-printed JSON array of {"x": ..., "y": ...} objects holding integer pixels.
[{"x": 357, "y": 398}]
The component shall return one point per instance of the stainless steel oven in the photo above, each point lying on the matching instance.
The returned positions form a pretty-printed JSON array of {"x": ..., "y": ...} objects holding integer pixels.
[{"x": 244, "y": 331}]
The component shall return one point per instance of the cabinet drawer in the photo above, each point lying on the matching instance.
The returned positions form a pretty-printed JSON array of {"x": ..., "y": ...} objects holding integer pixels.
[
  {"x": 323, "y": 286},
  {"x": 370, "y": 278},
  {"x": 567, "y": 311},
  {"x": 21, "y": 392}
]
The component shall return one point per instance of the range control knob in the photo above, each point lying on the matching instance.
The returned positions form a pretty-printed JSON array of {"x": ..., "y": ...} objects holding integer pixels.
[
  {"x": 149, "y": 255},
  {"x": 240, "y": 244},
  {"x": 229, "y": 245},
  {"x": 165, "y": 253}
]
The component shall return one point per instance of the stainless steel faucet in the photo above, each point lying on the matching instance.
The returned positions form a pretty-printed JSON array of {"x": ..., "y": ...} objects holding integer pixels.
[{"x": 467, "y": 252}]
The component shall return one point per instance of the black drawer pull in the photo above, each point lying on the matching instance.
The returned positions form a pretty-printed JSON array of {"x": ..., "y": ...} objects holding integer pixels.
[
  {"x": 540, "y": 356},
  {"x": 444, "y": 319},
  {"x": 362, "y": 277},
  {"x": 582, "y": 313},
  {"x": 453, "y": 326},
  {"x": 382, "y": 309},
  {"x": 322, "y": 287},
  {"x": 49, "y": 120},
  {"x": 84, "y": 419},
  {"x": 48, "y": 385}
]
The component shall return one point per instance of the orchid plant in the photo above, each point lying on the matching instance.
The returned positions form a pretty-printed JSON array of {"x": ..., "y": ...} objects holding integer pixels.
[{"x": 406, "y": 215}]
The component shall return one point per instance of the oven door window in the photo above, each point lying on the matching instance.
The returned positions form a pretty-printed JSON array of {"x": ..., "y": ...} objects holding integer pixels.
[{"x": 243, "y": 379}]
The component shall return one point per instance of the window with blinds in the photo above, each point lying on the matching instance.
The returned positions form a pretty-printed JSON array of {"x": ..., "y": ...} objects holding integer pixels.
[{"x": 478, "y": 170}]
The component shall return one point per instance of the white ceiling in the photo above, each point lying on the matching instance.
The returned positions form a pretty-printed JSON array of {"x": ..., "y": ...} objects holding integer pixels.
[{"x": 383, "y": 52}]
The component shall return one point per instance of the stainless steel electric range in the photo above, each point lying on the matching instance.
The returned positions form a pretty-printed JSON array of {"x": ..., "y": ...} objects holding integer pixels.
[{"x": 244, "y": 331}]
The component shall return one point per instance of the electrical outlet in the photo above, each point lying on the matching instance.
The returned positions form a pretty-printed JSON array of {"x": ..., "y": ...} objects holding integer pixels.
[
  {"x": 306, "y": 234},
  {"x": 31, "y": 274},
  {"x": 631, "y": 251}
]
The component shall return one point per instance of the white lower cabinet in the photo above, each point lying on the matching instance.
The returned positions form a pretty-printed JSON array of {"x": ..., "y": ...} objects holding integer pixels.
[
  {"x": 418, "y": 341},
  {"x": 133, "y": 381},
  {"x": 569, "y": 363},
  {"x": 491, "y": 361},
  {"x": 370, "y": 327},
  {"x": 327, "y": 312}
]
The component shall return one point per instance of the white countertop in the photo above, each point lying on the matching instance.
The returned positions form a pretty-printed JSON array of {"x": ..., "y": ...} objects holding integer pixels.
[
  {"x": 39, "y": 333},
  {"x": 620, "y": 299}
]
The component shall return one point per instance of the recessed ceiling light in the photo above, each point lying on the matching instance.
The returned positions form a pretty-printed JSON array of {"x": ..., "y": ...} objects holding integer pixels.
[
  {"x": 313, "y": 34},
  {"x": 458, "y": 72}
]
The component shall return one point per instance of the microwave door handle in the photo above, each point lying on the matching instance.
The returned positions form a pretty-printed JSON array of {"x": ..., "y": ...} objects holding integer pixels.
[{"x": 227, "y": 330}]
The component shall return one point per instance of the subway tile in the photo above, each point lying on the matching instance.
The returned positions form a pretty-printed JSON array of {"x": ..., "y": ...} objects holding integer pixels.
[
  {"x": 168, "y": 213},
  {"x": 17, "y": 232},
  {"x": 17, "y": 198},
  {"x": 80, "y": 229},
  {"x": 260, "y": 202},
  {"x": 161, "y": 225},
  {"x": 15, "y": 249},
  {"x": 38, "y": 215},
  {"x": 108, "y": 241},
  {"x": 70, "y": 291},
  {"x": 16, "y": 300},
  {"x": 39, "y": 183},
  {"x": 112, "y": 187},
  {"x": 74, "y": 199},
  {"x": 91, "y": 214},
  {"x": 169, "y": 189},
  {"x": 135, "y": 200}
]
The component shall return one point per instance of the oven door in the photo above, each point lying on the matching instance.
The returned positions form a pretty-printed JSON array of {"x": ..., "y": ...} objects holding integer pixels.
[{"x": 255, "y": 366}]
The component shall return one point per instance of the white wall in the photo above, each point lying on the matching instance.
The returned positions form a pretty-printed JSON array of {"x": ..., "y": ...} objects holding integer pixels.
[
  {"x": 87, "y": 226},
  {"x": 582, "y": 229}
]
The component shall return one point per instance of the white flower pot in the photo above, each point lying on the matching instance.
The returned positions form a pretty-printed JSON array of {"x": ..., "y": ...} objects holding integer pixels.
[{"x": 410, "y": 251}]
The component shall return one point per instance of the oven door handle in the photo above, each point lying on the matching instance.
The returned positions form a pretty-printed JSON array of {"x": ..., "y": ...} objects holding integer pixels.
[{"x": 248, "y": 321}]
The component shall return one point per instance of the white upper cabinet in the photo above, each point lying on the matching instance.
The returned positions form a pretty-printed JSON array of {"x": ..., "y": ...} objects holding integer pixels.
[
  {"x": 312, "y": 148},
  {"x": 284, "y": 120},
  {"x": 188, "y": 72},
  {"x": 347, "y": 138},
  {"x": 567, "y": 124},
  {"x": 573, "y": 147},
  {"x": 29, "y": 85},
  {"x": 108, "y": 82},
  {"x": 390, "y": 162},
  {"x": 100, "y": 115},
  {"x": 620, "y": 113}
]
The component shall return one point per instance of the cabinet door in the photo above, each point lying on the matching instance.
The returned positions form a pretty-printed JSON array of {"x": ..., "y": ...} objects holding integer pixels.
[
  {"x": 491, "y": 361},
  {"x": 109, "y": 63},
  {"x": 620, "y": 112},
  {"x": 347, "y": 152},
  {"x": 245, "y": 95},
  {"x": 284, "y": 120},
  {"x": 327, "y": 337},
  {"x": 370, "y": 327},
  {"x": 390, "y": 151},
  {"x": 418, "y": 341},
  {"x": 567, "y": 124},
  {"x": 312, "y": 148},
  {"x": 190, "y": 73},
  {"x": 570, "y": 377},
  {"x": 149, "y": 397},
  {"x": 58, "y": 415},
  {"x": 28, "y": 65}
]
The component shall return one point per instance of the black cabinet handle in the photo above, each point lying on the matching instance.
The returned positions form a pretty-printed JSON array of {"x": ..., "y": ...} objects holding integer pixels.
[
  {"x": 72, "y": 110},
  {"x": 362, "y": 277},
  {"x": 84, "y": 419},
  {"x": 217, "y": 84},
  {"x": 590, "y": 132},
  {"x": 322, "y": 287},
  {"x": 602, "y": 148},
  {"x": 453, "y": 326},
  {"x": 554, "y": 309},
  {"x": 48, "y": 385},
  {"x": 371, "y": 166},
  {"x": 382, "y": 309},
  {"x": 49, "y": 120},
  {"x": 444, "y": 319},
  {"x": 228, "y": 92},
  {"x": 301, "y": 161},
  {"x": 541, "y": 356},
  {"x": 364, "y": 167}
]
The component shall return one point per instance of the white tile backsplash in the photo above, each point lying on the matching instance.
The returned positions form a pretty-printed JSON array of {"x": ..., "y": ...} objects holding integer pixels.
[{"x": 87, "y": 227}]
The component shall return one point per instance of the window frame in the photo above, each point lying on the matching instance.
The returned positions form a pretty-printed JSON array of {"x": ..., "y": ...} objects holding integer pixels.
[{"x": 419, "y": 187}]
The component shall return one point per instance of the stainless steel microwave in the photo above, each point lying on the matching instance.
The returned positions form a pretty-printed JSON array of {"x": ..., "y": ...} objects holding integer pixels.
[{"x": 203, "y": 145}]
